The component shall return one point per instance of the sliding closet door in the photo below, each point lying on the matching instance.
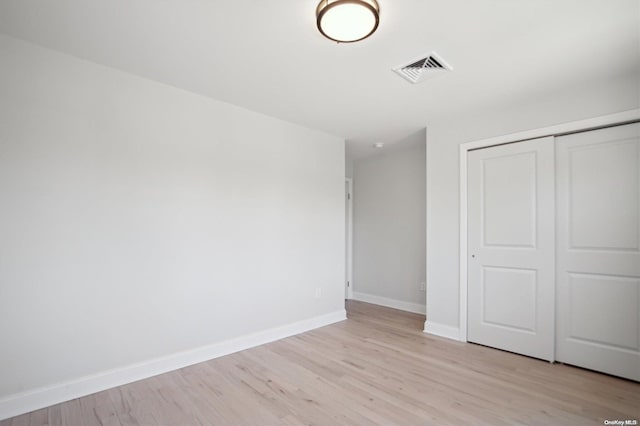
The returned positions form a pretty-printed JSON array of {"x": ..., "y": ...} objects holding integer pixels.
[
  {"x": 598, "y": 252},
  {"x": 511, "y": 247}
]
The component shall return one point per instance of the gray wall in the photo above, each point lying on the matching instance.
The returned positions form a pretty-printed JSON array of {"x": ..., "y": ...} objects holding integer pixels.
[
  {"x": 348, "y": 166},
  {"x": 140, "y": 221},
  {"x": 389, "y": 225}
]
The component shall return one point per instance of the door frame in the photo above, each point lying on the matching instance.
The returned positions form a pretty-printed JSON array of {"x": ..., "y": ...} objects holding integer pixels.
[
  {"x": 349, "y": 237},
  {"x": 557, "y": 130}
]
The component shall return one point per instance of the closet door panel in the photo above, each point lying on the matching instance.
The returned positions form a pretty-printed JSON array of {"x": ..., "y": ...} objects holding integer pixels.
[
  {"x": 598, "y": 250},
  {"x": 511, "y": 247}
]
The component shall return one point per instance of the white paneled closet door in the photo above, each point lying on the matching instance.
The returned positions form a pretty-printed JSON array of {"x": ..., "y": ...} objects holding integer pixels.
[
  {"x": 598, "y": 250},
  {"x": 511, "y": 241}
]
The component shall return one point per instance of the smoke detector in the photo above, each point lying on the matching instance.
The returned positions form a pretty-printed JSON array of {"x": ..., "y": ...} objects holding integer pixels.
[{"x": 421, "y": 69}]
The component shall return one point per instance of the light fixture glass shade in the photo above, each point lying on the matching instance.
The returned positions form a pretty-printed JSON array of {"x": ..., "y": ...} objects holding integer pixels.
[{"x": 346, "y": 21}]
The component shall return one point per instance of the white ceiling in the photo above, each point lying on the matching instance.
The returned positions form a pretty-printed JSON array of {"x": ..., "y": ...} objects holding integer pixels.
[{"x": 266, "y": 55}]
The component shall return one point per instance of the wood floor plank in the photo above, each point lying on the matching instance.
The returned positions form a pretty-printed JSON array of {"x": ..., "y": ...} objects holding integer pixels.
[
  {"x": 22, "y": 420},
  {"x": 378, "y": 367},
  {"x": 54, "y": 414},
  {"x": 325, "y": 391},
  {"x": 121, "y": 406},
  {"x": 39, "y": 418}
]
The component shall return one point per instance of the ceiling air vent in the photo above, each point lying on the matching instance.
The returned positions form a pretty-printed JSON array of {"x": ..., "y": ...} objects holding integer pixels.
[{"x": 423, "y": 68}]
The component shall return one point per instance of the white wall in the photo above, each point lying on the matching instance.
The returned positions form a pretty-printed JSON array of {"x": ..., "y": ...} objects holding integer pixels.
[
  {"x": 389, "y": 225},
  {"x": 445, "y": 134},
  {"x": 138, "y": 220}
]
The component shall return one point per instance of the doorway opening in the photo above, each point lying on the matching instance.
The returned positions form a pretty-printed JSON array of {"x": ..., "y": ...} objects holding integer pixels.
[{"x": 348, "y": 245}]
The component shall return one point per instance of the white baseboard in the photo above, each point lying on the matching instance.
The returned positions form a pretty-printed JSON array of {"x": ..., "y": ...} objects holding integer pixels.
[
  {"x": 442, "y": 330},
  {"x": 28, "y": 401},
  {"x": 390, "y": 303}
]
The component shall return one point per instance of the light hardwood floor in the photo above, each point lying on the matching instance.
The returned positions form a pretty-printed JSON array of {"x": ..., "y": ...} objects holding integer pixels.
[{"x": 375, "y": 368}]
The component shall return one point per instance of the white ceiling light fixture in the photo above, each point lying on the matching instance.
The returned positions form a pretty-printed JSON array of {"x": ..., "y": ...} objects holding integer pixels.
[{"x": 347, "y": 21}]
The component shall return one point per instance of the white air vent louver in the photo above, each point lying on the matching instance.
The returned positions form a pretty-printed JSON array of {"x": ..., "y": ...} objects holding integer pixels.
[{"x": 423, "y": 68}]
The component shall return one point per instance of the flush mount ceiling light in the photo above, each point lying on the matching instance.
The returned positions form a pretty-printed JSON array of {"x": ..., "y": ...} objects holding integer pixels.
[{"x": 346, "y": 21}]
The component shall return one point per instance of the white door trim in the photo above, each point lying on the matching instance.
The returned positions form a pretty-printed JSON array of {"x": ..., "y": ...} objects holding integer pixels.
[
  {"x": 574, "y": 126},
  {"x": 349, "y": 236}
]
